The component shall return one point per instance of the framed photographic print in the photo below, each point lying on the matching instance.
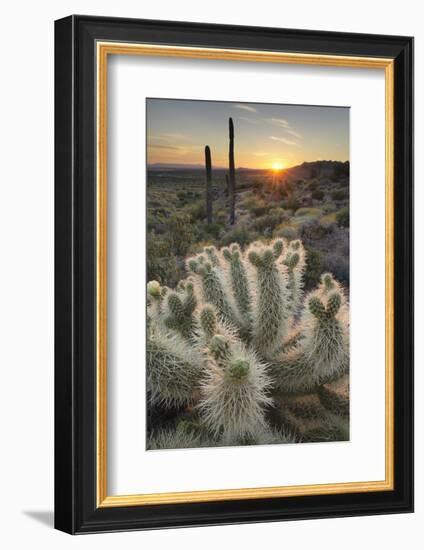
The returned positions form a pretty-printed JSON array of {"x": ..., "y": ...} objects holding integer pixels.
[{"x": 233, "y": 274}]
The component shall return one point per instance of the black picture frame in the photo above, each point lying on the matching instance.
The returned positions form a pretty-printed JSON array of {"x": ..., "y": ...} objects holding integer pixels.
[{"x": 76, "y": 510}]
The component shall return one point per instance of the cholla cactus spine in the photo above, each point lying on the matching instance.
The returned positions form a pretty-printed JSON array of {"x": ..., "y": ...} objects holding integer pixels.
[
  {"x": 213, "y": 289},
  {"x": 240, "y": 285},
  {"x": 174, "y": 369},
  {"x": 271, "y": 303},
  {"x": 234, "y": 394}
]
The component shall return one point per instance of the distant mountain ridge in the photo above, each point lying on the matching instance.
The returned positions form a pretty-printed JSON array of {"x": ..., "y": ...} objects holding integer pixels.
[{"x": 317, "y": 168}]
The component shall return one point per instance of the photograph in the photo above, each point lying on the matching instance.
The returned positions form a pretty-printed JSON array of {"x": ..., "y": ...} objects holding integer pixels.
[
  {"x": 234, "y": 269},
  {"x": 247, "y": 268}
]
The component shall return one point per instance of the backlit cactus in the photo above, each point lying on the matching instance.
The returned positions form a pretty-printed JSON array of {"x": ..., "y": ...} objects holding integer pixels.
[{"x": 245, "y": 354}]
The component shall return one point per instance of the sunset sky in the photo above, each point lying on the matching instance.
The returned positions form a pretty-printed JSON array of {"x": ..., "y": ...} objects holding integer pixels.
[{"x": 266, "y": 136}]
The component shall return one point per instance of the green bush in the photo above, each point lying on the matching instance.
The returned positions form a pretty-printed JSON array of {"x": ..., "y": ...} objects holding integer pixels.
[
  {"x": 342, "y": 217},
  {"x": 292, "y": 203},
  {"x": 180, "y": 233},
  {"x": 271, "y": 220},
  {"x": 309, "y": 212},
  {"x": 260, "y": 207},
  {"x": 161, "y": 263},
  {"x": 318, "y": 195},
  {"x": 241, "y": 235},
  {"x": 340, "y": 195},
  {"x": 197, "y": 210},
  {"x": 213, "y": 230},
  {"x": 287, "y": 232}
]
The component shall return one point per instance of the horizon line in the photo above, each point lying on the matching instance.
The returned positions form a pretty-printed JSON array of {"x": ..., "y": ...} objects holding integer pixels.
[{"x": 225, "y": 167}]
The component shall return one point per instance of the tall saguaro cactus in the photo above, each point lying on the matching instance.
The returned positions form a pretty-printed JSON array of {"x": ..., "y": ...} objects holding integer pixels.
[
  {"x": 232, "y": 175},
  {"x": 208, "y": 164}
]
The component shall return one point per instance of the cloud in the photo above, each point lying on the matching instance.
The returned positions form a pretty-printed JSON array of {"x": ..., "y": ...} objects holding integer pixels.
[
  {"x": 285, "y": 126},
  {"x": 282, "y": 122},
  {"x": 172, "y": 136},
  {"x": 244, "y": 107},
  {"x": 248, "y": 119},
  {"x": 293, "y": 133},
  {"x": 169, "y": 147},
  {"x": 284, "y": 140},
  {"x": 167, "y": 137}
]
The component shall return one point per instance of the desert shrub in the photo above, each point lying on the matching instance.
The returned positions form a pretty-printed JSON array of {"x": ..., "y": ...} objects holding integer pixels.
[
  {"x": 180, "y": 233},
  {"x": 197, "y": 210},
  {"x": 340, "y": 194},
  {"x": 342, "y": 217},
  {"x": 241, "y": 234},
  {"x": 318, "y": 195},
  {"x": 250, "y": 201},
  {"x": 221, "y": 215},
  {"x": 213, "y": 230},
  {"x": 260, "y": 207},
  {"x": 271, "y": 220},
  {"x": 286, "y": 232},
  {"x": 328, "y": 219},
  {"x": 338, "y": 264},
  {"x": 257, "y": 184},
  {"x": 161, "y": 262},
  {"x": 308, "y": 212},
  {"x": 313, "y": 230},
  {"x": 313, "y": 185},
  {"x": 292, "y": 203},
  {"x": 244, "y": 184}
]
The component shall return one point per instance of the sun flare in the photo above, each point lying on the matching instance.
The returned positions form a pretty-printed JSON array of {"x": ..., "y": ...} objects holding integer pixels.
[{"x": 277, "y": 166}]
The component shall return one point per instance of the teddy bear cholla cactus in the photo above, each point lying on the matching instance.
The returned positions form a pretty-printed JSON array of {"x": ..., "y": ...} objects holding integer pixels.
[{"x": 238, "y": 337}]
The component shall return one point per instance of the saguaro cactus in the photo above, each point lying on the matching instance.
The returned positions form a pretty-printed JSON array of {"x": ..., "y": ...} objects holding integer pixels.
[
  {"x": 232, "y": 174},
  {"x": 208, "y": 164}
]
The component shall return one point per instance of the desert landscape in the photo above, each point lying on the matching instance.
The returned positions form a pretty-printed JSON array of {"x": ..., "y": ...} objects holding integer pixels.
[{"x": 248, "y": 293}]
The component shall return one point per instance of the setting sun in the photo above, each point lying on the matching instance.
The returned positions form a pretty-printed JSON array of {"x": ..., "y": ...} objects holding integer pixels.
[{"x": 277, "y": 166}]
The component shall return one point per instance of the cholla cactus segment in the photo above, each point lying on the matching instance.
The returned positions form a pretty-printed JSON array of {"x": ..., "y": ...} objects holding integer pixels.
[
  {"x": 270, "y": 317},
  {"x": 219, "y": 347},
  {"x": 154, "y": 289},
  {"x": 212, "y": 255},
  {"x": 174, "y": 370},
  {"x": 238, "y": 276},
  {"x": 234, "y": 395},
  {"x": 295, "y": 260},
  {"x": 272, "y": 436},
  {"x": 213, "y": 290},
  {"x": 323, "y": 353},
  {"x": 178, "y": 314},
  {"x": 181, "y": 437},
  {"x": 208, "y": 321}
]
